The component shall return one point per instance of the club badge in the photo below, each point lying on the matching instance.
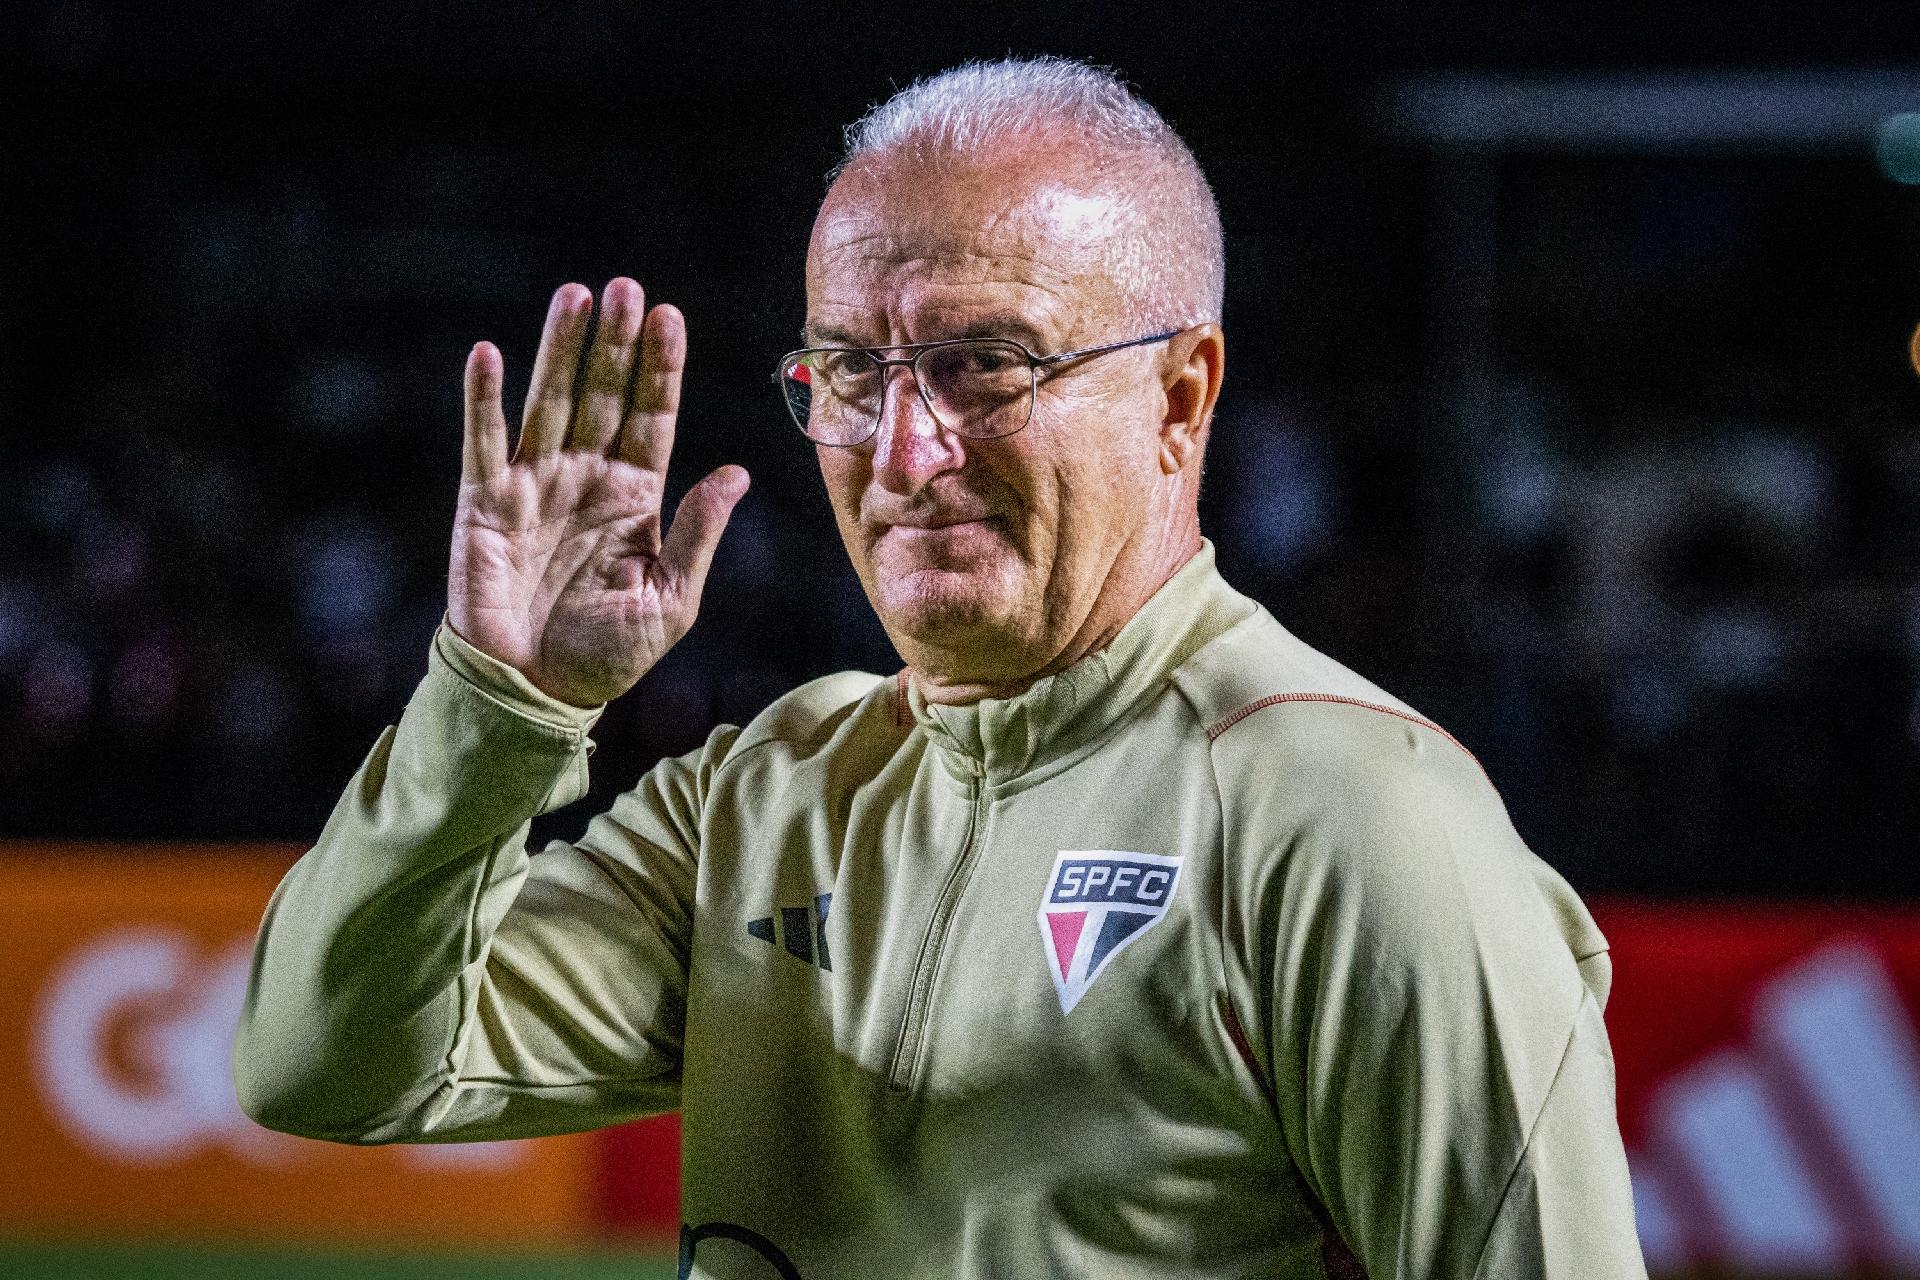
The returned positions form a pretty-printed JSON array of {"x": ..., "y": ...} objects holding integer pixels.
[{"x": 1097, "y": 902}]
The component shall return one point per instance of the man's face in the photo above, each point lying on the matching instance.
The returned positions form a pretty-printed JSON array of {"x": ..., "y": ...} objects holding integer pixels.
[{"x": 984, "y": 556}]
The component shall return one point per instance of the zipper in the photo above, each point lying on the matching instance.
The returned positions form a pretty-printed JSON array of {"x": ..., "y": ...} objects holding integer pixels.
[{"x": 926, "y": 968}]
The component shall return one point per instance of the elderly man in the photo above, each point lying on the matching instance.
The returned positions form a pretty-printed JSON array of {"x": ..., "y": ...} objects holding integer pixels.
[{"x": 1119, "y": 934}]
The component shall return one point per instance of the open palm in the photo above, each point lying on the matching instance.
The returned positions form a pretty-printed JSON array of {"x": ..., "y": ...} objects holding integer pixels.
[{"x": 560, "y": 567}]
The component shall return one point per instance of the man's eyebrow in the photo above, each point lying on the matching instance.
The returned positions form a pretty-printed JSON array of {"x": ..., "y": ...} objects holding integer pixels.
[
  {"x": 827, "y": 336},
  {"x": 999, "y": 325},
  {"x": 1002, "y": 325}
]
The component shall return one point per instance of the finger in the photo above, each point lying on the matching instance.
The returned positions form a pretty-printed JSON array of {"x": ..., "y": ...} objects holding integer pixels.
[
  {"x": 646, "y": 437},
  {"x": 687, "y": 552},
  {"x": 603, "y": 388},
  {"x": 483, "y": 451},
  {"x": 543, "y": 427}
]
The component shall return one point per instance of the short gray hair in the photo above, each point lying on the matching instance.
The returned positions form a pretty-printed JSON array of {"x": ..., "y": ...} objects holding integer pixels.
[{"x": 1176, "y": 273}]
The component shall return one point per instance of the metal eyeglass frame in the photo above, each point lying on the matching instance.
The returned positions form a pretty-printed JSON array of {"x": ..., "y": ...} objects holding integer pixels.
[{"x": 911, "y": 363}]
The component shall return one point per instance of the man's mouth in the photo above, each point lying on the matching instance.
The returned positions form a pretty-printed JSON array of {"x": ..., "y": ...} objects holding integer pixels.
[{"x": 934, "y": 524}]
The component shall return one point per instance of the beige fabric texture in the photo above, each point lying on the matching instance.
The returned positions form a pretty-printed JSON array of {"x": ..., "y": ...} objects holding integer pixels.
[{"x": 1366, "y": 1028}]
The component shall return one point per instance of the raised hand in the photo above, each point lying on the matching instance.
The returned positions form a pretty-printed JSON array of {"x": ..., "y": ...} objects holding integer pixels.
[{"x": 560, "y": 568}]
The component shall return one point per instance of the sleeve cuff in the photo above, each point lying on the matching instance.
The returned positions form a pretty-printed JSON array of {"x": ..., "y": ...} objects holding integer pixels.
[
  {"x": 509, "y": 687},
  {"x": 493, "y": 683}
]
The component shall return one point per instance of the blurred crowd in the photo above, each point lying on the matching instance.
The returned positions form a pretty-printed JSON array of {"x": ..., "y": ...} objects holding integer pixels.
[
  {"x": 1689, "y": 665},
  {"x": 1673, "y": 606}
]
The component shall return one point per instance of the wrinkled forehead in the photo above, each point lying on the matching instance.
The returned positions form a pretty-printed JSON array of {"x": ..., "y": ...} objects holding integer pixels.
[{"x": 897, "y": 236}]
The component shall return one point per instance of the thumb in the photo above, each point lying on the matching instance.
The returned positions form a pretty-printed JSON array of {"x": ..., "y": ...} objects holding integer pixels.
[{"x": 687, "y": 551}]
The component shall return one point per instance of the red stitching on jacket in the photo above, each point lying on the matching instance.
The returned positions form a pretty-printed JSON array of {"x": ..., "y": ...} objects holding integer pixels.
[
  {"x": 1238, "y": 1037},
  {"x": 1225, "y": 723}
]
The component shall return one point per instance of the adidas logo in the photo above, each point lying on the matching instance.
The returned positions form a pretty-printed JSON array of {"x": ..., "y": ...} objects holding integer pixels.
[
  {"x": 1799, "y": 1151},
  {"x": 802, "y": 931}
]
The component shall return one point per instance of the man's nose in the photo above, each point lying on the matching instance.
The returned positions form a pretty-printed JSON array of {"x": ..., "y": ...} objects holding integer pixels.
[{"x": 910, "y": 446}]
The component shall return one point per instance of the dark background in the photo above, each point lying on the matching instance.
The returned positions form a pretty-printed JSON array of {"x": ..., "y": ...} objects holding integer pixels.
[{"x": 1606, "y": 458}]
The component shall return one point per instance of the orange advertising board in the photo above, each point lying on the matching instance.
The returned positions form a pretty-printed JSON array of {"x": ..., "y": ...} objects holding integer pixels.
[{"x": 122, "y": 972}]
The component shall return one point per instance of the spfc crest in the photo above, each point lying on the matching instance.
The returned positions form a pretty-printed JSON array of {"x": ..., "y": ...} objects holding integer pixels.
[{"x": 1099, "y": 901}]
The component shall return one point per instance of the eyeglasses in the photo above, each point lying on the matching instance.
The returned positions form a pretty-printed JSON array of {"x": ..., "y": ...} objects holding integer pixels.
[{"x": 976, "y": 387}]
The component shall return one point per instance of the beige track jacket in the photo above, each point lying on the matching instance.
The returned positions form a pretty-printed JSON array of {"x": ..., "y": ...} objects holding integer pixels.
[{"x": 1203, "y": 958}]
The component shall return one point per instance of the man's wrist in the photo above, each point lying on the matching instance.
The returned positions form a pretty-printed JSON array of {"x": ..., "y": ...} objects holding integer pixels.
[{"x": 508, "y": 686}]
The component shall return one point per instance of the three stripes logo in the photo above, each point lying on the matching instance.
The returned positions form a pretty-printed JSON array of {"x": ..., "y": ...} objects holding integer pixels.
[
  {"x": 1799, "y": 1150},
  {"x": 801, "y": 930},
  {"x": 1098, "y": 902}
]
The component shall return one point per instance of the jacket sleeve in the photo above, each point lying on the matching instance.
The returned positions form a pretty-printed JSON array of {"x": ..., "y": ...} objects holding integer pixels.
[
  {"x": 1430, "y": 995},
  {"x": 418, "y": 977}
]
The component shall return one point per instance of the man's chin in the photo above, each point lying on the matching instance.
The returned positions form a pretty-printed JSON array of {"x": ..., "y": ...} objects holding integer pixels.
[{"x": 944, "y": 609}]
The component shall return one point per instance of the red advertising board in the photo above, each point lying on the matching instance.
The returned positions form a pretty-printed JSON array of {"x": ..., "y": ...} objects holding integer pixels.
[{"x": 1769, "y": 1085}]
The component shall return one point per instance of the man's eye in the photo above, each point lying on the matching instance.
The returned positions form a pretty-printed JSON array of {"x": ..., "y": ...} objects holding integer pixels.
[
  {"x": 990, "y": 360},
  {"x": 844, "y": 369},
  {"x": 986, "y": 362}
]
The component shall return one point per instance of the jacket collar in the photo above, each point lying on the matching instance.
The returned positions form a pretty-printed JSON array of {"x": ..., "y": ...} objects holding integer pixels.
[{"x": 1001, "y": 738}]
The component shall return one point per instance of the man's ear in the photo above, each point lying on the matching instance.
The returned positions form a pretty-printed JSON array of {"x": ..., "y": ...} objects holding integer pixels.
[{"x": 1197, "y": 362}]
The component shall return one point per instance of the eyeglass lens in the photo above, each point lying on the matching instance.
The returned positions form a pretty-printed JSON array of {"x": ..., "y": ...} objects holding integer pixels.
[{"x": 978, "y": 388}]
